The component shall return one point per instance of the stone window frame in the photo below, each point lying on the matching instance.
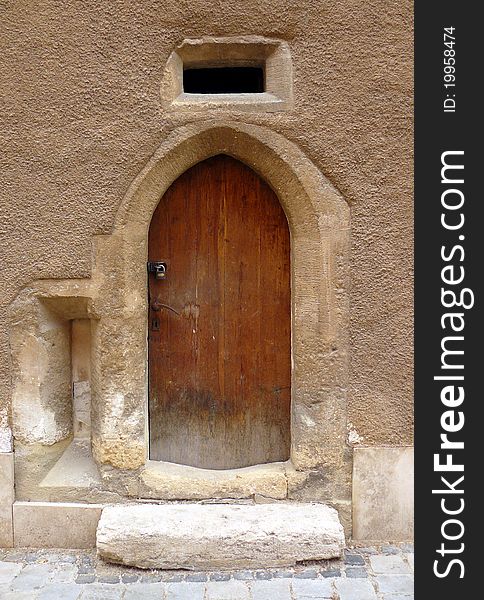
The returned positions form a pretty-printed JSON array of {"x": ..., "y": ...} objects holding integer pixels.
[
  {"x": 272, "y": 54},
  {"x": 115, "y": 300}
]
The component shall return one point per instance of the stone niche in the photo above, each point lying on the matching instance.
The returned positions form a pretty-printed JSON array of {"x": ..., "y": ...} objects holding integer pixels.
[{"x": 79, "y": 348}]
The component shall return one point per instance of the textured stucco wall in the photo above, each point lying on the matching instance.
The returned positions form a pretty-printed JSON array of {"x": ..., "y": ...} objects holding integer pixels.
[{"x": 82, "y": 114}]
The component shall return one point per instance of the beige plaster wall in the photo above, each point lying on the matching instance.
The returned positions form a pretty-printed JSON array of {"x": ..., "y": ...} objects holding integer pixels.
[{"x": 83, "y": 114}]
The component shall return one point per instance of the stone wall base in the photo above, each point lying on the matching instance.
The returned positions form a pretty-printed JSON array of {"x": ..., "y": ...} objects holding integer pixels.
[
  {"x": 55, "y": 525},
  {"x": 6, "y": 499},
  {"x": 382, "y": 505},
  {"x": 383, "y": 494}
]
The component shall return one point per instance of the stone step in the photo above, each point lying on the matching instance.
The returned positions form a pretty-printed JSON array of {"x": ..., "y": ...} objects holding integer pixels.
[{"x": 218, "y": 536}]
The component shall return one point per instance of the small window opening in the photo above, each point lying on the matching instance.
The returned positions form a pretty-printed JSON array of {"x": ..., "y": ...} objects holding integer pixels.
[{"x": 223, "y": 80}]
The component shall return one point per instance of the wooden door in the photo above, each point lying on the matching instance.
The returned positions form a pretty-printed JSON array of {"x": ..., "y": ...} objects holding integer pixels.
[{"x": 219, "y": 322}]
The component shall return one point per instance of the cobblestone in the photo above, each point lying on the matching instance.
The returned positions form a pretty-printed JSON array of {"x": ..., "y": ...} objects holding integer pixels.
[
  {"x": 356, "y": 572},
  {"x": 370, "y": 573},
  {"x": 31, "y": 577},
  {"x": 230, "y": 590},
  {"x": 57, "y": 558},
  {"x": 144, "y": 591},
  {"x": 364, "y": 550},
  {"x": 245, "y": 575},
  {"x": 17, "y": 596},
  {"x": 331, "y": 573},
  {"x": 354, "y": 559},
  {"x": 264, "y": 575},
  {"x": 355, "y": 589},
  {"x": 102, "y": 591},
  {"x": 395, "y": 584},
  {"x": 129, "y": 578},
  {"x": 196, "y": 577},
  {"x": 14, "y": 556},
  {"x": 306, "y": 574},
  {"x": 219, "y": 576},
  {"x": 85, "y": 578},
  {"x": 389, "y": 565},
  {"x": 185, "y": 591},
  {"x": 8, "y": 571},
  {"x": 312, "y": 589},
  {"x": 56, "y": 591},
  {"x": 108, "y": 579},
  {"x": 284, "y": 574},
  {"x": 176, "y": 577},
  {"x": 64, "y": 573},
  {"x": 31, "y": 557},
  {"x": 275, "y": 588},
  {"x": 85, "y": 569}
]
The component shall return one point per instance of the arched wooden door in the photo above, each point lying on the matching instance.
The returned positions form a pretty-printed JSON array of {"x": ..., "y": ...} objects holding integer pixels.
[{"x": 219, "y": 320}]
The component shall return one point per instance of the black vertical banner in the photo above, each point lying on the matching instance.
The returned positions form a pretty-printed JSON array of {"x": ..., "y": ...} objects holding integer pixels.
[{"x": 449, "y": 269}]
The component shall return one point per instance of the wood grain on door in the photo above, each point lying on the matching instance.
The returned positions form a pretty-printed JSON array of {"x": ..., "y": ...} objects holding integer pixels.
[{"x": 220, "y": 321}]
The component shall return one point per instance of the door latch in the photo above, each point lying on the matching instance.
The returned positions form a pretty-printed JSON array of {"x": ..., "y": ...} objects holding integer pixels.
[{"x": 158, "y": 269}]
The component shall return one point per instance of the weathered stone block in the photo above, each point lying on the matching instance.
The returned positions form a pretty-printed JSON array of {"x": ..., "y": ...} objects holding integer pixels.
[
  {"x": 172, "y": 481},
  {"x": 194, "y": 536},
  {"x": 6, "y": 500},
  {"x": 75, "y": 468},
  {"x": 81, "y": 397},
  {"x": 383, "y": 494},
  {"x": 55, "y": 525}
]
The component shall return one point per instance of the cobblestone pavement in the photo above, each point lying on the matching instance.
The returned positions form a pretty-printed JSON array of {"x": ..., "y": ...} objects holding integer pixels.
[{"x": 376, "y": 573}]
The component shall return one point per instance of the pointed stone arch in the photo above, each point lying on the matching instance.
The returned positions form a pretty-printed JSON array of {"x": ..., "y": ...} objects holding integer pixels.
[
  {"x": 115, "y": 301},
  {"x": 318, "y": 218},
  {"x": 304, "y": 192}
]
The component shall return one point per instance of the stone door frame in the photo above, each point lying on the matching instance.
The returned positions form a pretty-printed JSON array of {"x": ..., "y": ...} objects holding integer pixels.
[{"x": 115, "y": 300}]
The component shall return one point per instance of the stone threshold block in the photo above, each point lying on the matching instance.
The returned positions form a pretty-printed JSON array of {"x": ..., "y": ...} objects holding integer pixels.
[
  {"x": 221, "y": 536},
  {"x": 55, "y": 524}
]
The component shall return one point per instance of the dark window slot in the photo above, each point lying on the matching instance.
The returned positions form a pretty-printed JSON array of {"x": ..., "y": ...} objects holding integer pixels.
[{"x": 224, "y": 80}]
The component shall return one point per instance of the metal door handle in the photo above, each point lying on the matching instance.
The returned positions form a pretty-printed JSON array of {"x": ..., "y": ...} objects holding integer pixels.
[{"x": 156, "y": 305}]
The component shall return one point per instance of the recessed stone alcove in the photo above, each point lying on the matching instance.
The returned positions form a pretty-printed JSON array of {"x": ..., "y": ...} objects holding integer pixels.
[
  {"x": 272, "y": 55},
  {"x": 113, "y": 301}
]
